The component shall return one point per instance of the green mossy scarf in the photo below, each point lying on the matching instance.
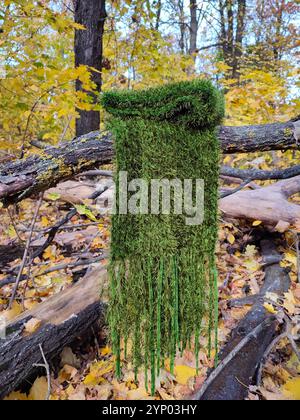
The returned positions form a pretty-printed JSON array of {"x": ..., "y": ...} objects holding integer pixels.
[{"x": 163, "y": 282}]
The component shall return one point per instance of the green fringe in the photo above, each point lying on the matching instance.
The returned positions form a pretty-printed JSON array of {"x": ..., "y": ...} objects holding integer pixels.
[{"x": 171, "y": 316}]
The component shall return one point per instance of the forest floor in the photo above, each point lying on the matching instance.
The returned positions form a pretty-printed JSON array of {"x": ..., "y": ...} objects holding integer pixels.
[{"x": 86, "y": 371}]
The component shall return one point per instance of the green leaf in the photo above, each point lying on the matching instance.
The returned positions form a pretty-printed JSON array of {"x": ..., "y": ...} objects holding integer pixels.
[{"x": 85, "y": 211}]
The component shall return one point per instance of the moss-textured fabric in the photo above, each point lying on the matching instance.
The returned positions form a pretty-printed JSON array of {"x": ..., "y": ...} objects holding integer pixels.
[{"x": 162, "y": 274}]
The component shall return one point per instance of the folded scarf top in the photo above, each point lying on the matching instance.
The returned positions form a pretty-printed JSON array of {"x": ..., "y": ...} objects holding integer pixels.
[{"x": 197, "y": 104}]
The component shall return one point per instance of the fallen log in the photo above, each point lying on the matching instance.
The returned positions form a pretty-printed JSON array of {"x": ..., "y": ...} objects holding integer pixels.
[
  {"x": 259, "y": 174},
  {"x": 64, "y": 317},
  {"x": 70, "y": 313},
  {"x": 269, "y": 204},
  {"x": 23, "y": 178},
  {"x": 241, "y": 357}
]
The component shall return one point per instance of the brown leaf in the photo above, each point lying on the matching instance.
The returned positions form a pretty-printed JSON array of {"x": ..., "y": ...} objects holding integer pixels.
[{"x": 32, "y": 325}]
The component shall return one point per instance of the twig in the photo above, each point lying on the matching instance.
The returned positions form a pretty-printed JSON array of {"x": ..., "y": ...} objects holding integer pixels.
[
  {"x": 66, "y": 227},
  {"x": 15, "y": 226},
  {"x": 59, "y": 267},
  {"x": 294, "y": 345},
  {"x": 262, "y": 175},
  {"x": 39, "y": 144},
  {"x": 244, "y": 301},
  {"x": 298, "y": 256},
  {"x": 23, "y": 263},
  {"x": 266, "y": 355},
  {"x": 66, "y": 127},
  {"x": 51, "y": 235},
  {"x": 29, "y": 277},
  {"x": 75, "y": 264},
  {"x": 96, "y": 172},
  {"x": 99, "y": 192},
  {"x": 52, "y": 232},
  {"x": 235, "y": 190},
  {"x": 45, "y": 365},
  {"x": 286, "y": 334}
]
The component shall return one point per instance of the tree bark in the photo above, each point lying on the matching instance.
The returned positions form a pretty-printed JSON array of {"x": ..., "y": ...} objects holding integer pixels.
[
  {"x": 64, "y": 317},
  {"x": 182, "y": 25},
  {"x": 88, "y": 47},
  {"x": 260, "y": 174},
  {"x": 238, "y": 50},
  {"x": 232, "y": 26},
  {"x": 193, "y": 28},
  {"x": 24, "y": 178},
  {"x": 158, "y": 14},
  {"x": 269, "y": 204},
  {"x": 258, "y": 138}
]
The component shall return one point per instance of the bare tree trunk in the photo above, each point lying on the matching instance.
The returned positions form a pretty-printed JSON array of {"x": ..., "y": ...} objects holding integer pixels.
[
  {"x": 182, "y": 26},
  {"x": 158, "y": 14},
  {"x": 278, "y": 24},
  {"x": 88, "y": 51},
  {"x": 193, "y": 28},
  {"x": 232, "y": 33},
  {"x": 238, "y": 52}
]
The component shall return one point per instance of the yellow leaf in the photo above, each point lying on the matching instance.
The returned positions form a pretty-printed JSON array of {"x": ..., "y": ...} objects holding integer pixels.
[
  {"x": 291, "y": 258},
  {"x": 11, "y": 231},
  {"x": 47, "y": 136},
  {"x": 66, "y": 373},
  {"x": 270, "y": 308},
  {"x": 78, "y": 26},
  {"x": 289, "y": 302},
  {"x": 32, "y": 325},
  {"x": 184, "y": 373},
  {"x": 39, "y": 389},
  {"x": 53, "y": 196},
  {"x": 137, "y": 394},
  {"x": 97, "y": 371},
  {"x": 105, "y": 351},
  {"x": 16, "y": 396},
  {"x": 252, "y": 265},
  {"x": 250, "y": 251},
  {"x": 13, "y": 312},
  {"x": 292, "y": 389},
  {"x": 45, "y": 221},
  {"x": 231, "y": 239},
  {"x": 50, "y": 253},
  {"x": 257, "y": 223}
]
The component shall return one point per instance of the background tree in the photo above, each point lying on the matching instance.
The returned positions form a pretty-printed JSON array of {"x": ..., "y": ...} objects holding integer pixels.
[
  {"x": 144, "y": 43},
  {"x": 232, "y": 15},
  {"x": 91, "y": 14},
  {"x": 251, "y": 49}
]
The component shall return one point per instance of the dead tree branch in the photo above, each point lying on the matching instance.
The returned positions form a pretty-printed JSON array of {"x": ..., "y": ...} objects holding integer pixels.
[
  {"x": 249, "y": 341},
  {"x": 269, "y": 204},
  {"x": 26, "y": 177}
]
